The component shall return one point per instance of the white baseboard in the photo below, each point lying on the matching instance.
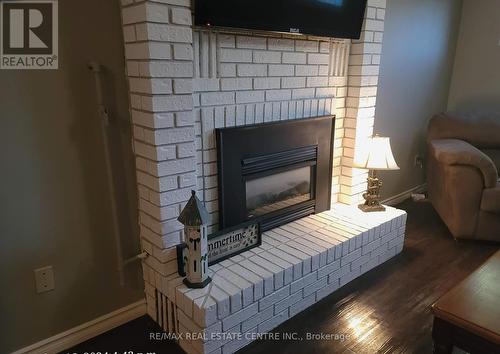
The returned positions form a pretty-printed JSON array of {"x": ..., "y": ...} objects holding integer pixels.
[
  {"x": 83, "y": 332},
  {"x": 401, "y": 197}
]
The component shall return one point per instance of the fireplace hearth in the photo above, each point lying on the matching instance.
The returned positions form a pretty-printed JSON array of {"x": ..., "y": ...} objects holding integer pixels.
[{"x": 274, "y": 172}]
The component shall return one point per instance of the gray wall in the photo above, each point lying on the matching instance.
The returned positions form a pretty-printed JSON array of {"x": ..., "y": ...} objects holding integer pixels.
[
  {"x": 53, "y": 192},
  {"x": 476, "y": 75},
  {"x": 417, "y": 59}
]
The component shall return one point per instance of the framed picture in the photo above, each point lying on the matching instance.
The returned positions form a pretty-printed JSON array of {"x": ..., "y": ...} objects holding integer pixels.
[{"x": 232, "y": 241}]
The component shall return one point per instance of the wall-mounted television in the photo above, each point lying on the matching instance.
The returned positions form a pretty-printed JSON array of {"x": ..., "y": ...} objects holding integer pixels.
[{"x": 328, "y": 18}]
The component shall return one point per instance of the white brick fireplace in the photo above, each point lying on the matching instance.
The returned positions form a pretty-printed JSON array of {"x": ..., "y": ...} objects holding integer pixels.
[{"x": 184, "y": 83}]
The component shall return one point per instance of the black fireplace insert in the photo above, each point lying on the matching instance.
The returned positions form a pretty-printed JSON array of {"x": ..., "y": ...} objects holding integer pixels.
[{"x": 274, "y": 172}]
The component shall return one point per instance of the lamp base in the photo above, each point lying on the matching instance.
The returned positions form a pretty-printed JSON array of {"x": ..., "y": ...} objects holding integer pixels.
[
  {"x": 370, "y": 208},
  {"x": 372, "y": 195}
]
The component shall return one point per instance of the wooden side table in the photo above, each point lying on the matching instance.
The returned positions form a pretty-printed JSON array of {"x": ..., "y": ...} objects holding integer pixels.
[{"x": 468, "y": 316}]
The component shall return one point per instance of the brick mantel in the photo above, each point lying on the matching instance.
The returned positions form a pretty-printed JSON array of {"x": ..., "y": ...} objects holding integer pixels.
[{"x": 184, "y": 83}]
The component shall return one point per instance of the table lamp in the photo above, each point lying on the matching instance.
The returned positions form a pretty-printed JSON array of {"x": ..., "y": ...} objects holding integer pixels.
[{"x": 375, "y": 155}]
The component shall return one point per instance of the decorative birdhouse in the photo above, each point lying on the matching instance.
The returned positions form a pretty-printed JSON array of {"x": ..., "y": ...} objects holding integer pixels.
[{"x": 192, "y": 255}]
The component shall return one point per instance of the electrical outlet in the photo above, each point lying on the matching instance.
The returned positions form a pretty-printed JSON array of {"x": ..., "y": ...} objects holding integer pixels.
[
  {"x": 419, "y": 161},
  {"x": 44, "y": 279}
]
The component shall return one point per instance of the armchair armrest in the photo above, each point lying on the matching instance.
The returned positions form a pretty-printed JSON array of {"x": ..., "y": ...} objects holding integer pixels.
[{"x": 459, "y": 152}]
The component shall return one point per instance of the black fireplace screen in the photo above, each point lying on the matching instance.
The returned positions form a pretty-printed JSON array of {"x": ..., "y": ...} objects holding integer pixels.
[{"x": 276, "y": 172}]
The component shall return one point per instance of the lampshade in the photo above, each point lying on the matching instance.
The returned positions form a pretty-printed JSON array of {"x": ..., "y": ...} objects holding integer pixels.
[{"x": 375, "y": 154}]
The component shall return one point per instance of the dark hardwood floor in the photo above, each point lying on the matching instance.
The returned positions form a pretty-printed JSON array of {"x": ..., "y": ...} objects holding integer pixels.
[{"x": 386, "y": 310}]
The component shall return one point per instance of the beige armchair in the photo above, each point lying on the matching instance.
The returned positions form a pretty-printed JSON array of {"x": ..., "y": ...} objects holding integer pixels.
[{"x": 462, "y": 173}]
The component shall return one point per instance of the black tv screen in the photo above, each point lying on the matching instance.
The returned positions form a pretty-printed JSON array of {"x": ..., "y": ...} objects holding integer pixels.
[{"x": 330, "y": 18}]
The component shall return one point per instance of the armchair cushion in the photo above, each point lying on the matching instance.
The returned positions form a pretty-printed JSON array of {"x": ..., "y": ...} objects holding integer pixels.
[
  {"x": 491, "y": 200},
  {"x": 459, "y": 152}
]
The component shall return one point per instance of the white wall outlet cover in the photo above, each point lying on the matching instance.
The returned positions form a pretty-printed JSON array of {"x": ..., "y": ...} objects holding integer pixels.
[{"x": 44, "y": 279}]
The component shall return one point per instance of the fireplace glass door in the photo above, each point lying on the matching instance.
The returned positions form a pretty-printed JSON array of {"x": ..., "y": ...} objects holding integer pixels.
[{"x": 272, "y": 191}]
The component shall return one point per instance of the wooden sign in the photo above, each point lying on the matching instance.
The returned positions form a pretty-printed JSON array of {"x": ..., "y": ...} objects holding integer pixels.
[{"x": 232, "y": 241}]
